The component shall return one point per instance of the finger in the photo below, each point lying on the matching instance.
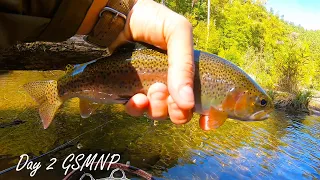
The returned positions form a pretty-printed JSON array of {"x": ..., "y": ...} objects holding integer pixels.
[
  {"x": 167, "y": 30},
  {"x": 157, "y": 95},
  {"x": 177, "y": 115},
  {"x": 137, "y": 105},
  {"x": 178, "y": 34}
]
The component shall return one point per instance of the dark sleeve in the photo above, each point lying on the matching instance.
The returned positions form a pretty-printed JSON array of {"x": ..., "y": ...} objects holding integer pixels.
[{"x": 40, "y": 20}]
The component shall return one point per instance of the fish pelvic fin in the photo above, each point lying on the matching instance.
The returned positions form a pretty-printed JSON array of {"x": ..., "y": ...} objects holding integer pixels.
[
  {"x": 212, "y": 121},
  {"x": 87, "y": 108},
  {"x": 45, "y": 93}
]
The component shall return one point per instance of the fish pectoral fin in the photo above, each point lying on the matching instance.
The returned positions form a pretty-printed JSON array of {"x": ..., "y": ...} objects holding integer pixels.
[
  {"x": 214, "y": 120},
  {"x": 123, "y": 99},
  {"x": 87, "y": 108},
  {"x": 241, "y": 106}
]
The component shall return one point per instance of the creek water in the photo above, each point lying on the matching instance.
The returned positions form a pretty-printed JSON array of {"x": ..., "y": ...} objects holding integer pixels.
[{"x": 286, "y": 146}]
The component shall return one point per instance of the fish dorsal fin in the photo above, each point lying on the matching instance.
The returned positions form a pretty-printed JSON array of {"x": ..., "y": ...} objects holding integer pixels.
[
  {"x": 214, "y": 120},
  {"x": 136, "y": 46},
  {"x": 87, "y": 108},
  {"x": 69, "y": 68}
]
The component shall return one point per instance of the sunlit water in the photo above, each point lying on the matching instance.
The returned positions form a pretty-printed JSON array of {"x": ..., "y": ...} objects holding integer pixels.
[{"x": 286, "y": 146}]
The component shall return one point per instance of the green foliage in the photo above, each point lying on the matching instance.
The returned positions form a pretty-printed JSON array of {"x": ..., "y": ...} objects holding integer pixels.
[
  {"x": 260, "y": 65},
  {"x": 277, "y": 54},
  {"x": 291, "y": 63},
  {"x": 206, "y": 41},
  {"x": 232, "y": 54},
  {"x": 302, "y": 99},
  {"x": 272, "y": 94}
]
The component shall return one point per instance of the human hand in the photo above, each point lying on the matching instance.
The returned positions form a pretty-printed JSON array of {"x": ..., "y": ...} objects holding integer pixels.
[{"x": 155, "y": 24}]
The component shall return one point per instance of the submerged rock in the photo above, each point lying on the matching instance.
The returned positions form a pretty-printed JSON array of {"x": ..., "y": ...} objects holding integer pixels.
[{"x": 10, "y": 124}]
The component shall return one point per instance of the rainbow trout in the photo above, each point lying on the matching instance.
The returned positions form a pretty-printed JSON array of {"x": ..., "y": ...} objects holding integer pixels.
[{"x": 222, "y": 90}]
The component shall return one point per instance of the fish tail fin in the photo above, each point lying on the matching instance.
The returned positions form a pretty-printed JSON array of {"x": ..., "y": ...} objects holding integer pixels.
[{"x": 45, "y": 93}]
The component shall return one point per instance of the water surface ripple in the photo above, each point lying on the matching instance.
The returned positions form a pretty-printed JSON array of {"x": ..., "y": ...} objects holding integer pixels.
[{"x": 286, "y": 146}]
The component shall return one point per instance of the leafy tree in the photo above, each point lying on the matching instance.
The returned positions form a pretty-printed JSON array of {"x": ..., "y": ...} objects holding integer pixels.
[{"x": 278, "y": 54}]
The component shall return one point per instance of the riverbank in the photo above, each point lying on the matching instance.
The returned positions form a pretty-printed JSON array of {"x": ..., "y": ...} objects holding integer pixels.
[
  {"x": 314, "y": 106},
  {"x": 304, "y": 101}
]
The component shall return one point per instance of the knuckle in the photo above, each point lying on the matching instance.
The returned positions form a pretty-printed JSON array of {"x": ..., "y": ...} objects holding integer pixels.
[
  {"x": 179, "y": 121},
  {"x": 177, "y": 115},
  {"x": 189, "y": 66},
  {"x": 177, "y": 21},
  {"x": 132, "y": 111},
  {"x": 157, "y": 115},
  {"x": 184, "y": 22},
  {"x": 158, "y": 91},
  {"x": 184, "y": 70}
]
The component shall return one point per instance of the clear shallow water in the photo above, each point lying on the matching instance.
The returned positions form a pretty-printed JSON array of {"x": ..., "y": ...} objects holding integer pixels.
[{"x": 286, "y": 146}]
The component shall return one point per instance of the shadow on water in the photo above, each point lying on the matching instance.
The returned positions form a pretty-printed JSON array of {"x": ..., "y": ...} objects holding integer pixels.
[
  {"x": 3, "y": 72},
  {"x": 285, "y": 146}
]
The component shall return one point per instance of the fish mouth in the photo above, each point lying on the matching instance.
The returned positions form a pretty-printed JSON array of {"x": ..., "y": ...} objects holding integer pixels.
[{"x": 257, "y": 116}]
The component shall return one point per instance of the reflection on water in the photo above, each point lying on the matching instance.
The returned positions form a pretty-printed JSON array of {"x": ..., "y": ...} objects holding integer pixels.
[{"x": 285, "y": 146}]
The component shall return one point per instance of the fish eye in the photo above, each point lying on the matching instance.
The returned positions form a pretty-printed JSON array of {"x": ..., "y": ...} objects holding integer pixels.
[{"x": 263, "y": 102}]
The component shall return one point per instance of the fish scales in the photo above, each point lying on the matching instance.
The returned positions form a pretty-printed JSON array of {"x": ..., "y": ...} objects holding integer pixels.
[
  {"x": 221, "y": 88},
  {"x": 217, "y": 76},
  {"x": 124, "y": 74}
]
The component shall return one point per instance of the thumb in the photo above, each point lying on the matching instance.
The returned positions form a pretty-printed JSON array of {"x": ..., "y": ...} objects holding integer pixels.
[
  {"x": 178, "y": 34},
  {"x": 122, "y": 38},
  {"x": 168, "y": 30}
]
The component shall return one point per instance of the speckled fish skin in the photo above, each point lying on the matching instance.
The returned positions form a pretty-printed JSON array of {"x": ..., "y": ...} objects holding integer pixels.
[
  {"x": 116, "y": 78},
  {"x": 218, "y": 83}
]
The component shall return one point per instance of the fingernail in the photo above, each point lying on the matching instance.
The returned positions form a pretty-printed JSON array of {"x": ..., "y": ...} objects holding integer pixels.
[{"x": 186, "y": 93}]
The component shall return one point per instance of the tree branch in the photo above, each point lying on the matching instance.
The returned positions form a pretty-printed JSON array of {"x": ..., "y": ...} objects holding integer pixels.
[{"x": 48, "y": 55}]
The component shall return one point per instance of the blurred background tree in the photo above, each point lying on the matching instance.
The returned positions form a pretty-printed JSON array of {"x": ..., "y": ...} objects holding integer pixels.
[{"x": 277, "y": 54}]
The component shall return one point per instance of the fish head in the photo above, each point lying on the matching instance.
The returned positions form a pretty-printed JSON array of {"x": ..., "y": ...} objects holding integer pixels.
[{"x": 248, "y": 105}]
